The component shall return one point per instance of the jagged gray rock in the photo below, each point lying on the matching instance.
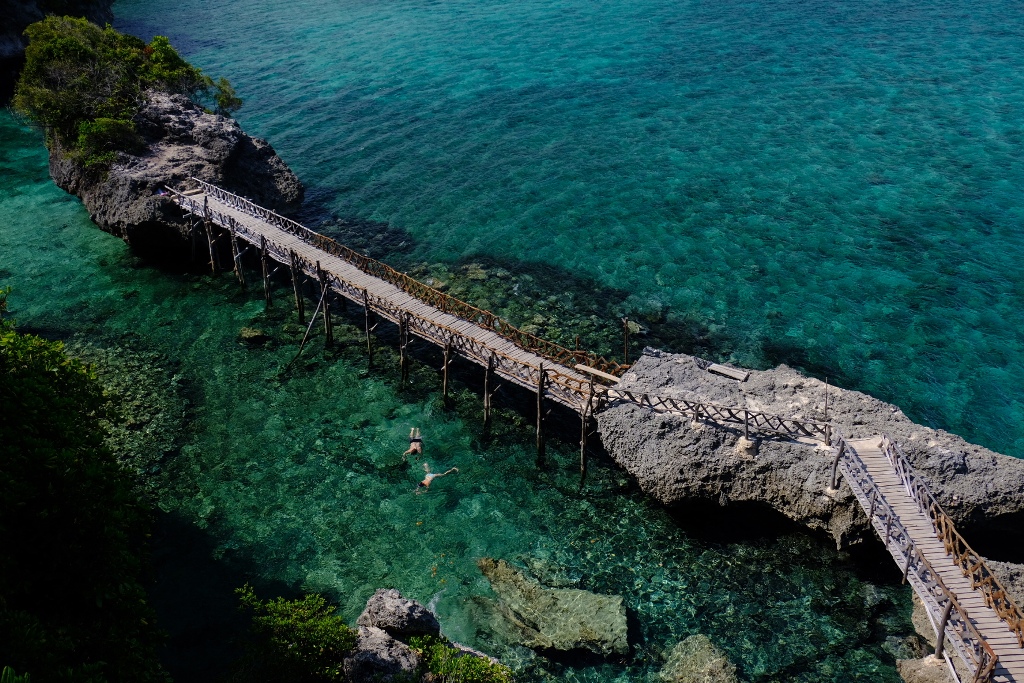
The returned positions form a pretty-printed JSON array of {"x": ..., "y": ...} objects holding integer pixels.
[
  {"x": 557, "y": 618},
  {"x": 378, "y": 658},
  {"x": 697, "y": 660},
  {"x": 388, "y": 610},
  {"x": 182, "y": 141},
  {"x": 679, "y": 461}
]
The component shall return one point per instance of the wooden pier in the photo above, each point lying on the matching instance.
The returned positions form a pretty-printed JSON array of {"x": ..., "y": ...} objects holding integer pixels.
[{"x": 980, "y": 628}]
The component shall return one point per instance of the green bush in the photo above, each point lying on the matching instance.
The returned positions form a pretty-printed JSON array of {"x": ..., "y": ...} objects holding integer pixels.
[
  {"x": 85, "y": 84},
  {"x": 295, "y": 640},
  {"x": 72, "y": 527},
  {"x": 8, "y": 676},
  {"x": 450, "y": 665}
]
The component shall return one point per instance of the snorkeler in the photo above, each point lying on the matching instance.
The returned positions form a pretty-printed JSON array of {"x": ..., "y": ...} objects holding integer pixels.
[
  {"x": 425, "y": 484},
  {"x": 415, "y": 443}
]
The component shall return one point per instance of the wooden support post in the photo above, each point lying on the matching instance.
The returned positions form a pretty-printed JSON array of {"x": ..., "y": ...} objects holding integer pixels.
[
  {"x": 297, "y": 287},
  {"x": 209, "y": 236},
  {"x": 835, "y": 465},
  {"x": 584, "y": 432},
  {"x": 192, "y": 236},
  {"x": 366, "y": 313},
  {"x": 625, "y": 338},
  {"x": 403, "y": 341},
  {"x": 888, "y": 528},
  {"x": 540, "y": 416},
  {"x": 447, "y": 359},
  {"x": 487, "y": 394},
  {"x": 746, "y": 425},
  {"x": 906, "y": 568},
  {"x": 236, "y": 258},
  {"x": 325, "y": 295},
  {"x": 265, "y": 262},
  {"x": 826, "y": 399},
  {"x": 940, "y": 638}
]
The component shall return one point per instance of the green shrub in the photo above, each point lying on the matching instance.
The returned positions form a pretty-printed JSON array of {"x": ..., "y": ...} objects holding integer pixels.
[
  {"x": 8, "y": 676},
  {"x": 450, "y": 665},
  {"x": 72, "y": 527},
  {"x": 85, "y": 84},
  {"x": 295, "y": 640}
]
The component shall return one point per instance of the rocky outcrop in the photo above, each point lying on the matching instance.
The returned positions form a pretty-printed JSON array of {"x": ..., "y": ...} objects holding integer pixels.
[
  {"x": 388, "y": 610},
  {"x": 181, "y": 141},
  {"x": 680, "y": 461},
  {"x": 562, "y": 619},
  {"x": 696, "y": 659},
  {"x": 379, "y": 657},
  {"x": 926, "y": 670},
  {"x": 18, "y": 14}
]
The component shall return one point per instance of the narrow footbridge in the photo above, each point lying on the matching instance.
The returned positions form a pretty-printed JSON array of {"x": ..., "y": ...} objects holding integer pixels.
[{"x": 980, "y": 628}]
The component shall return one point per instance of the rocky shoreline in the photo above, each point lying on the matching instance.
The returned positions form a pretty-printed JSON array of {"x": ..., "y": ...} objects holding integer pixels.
[{"x": 679, "y": 461}]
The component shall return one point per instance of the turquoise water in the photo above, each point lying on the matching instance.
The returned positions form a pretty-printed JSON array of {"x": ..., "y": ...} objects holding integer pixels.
[{"x": 829, "y": 185}]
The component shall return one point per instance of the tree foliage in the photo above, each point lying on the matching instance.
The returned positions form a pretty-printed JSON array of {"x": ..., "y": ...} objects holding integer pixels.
[
  {"x": 72, "y": 606},
  {"x": 85, "y": 85},
  {"x": 295, "y": 640}
]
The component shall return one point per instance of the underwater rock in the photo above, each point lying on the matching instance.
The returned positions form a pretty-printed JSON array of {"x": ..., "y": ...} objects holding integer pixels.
[
  {"x": 697, "y": 659},
  {"x": 679, "y": 461},
  {"x": 557, "y": 618},
  {"x": 379, "y": 657},
  {"x": 926, "y": 670},
  {"x": 182, "y": 141},
  {"x": 253, "y": 335},
  {"x": 388, "y": 610}
]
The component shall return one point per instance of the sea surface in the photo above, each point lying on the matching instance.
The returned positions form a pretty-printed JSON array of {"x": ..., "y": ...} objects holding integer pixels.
[{"x": 833, "y": 185}]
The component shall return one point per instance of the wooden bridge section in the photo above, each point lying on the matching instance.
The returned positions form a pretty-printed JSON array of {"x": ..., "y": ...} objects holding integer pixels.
[{"x": 977, "y": 622}]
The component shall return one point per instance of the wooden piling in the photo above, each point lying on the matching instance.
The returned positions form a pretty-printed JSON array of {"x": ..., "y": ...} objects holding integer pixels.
[
  {"x": 208, "y": 225},
  {"x": 540, "y": 416},
  {"x": 403, "y": 341},
  {"x": 447, "y": 360},
  {"x": 192, "y": 236},
  {"x": 366, "y": 313},
  {"x": 746, "y": 425},
  {"x": 265, "y": 263},
  {"x": 236, "y": 258},
  {"x": 833, "y": 484},
  {"x": 325, "y": 295},
  {"x": 625, "y": 338},
  {"x": 297, "y": 288},
  {"x": 940, "y": 638},
  {"x": 487, "y": 393},
  {"x": 584, "y": 432}
]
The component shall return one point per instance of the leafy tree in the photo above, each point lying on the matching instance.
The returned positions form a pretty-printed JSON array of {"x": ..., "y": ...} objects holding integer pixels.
[
  {"x": 72, "y": 606},
  {"x": 85, "y": 84},
  {"x": 295, "y": 640}
]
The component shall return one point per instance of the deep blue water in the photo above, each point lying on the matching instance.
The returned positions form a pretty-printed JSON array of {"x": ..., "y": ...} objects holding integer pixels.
[{"x": 833, "y": 185}]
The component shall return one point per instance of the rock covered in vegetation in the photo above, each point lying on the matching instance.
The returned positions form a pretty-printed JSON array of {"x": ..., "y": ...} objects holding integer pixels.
[
  {"x": 181, "y": 141},
  {"x": 18, "y": 14},
  {"x": 388, "y": 610},
  {"x": 680, "y": 461},
  {"x": 697, "y": 659},
  {"x": 378, "y": 657},
  {"x": 561, "y": 619}
]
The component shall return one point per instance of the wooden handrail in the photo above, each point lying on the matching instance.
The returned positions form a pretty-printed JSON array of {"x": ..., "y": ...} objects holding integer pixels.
[{"x": 415, "y": 288}]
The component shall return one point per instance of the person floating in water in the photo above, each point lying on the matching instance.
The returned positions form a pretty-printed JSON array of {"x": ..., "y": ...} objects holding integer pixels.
[
  {"x": 415, "y": 444},
  {"x": 425, "y": 484}
]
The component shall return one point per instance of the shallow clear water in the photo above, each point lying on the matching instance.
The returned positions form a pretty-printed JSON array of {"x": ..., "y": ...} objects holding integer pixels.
[{"x": 830, "y": 185}]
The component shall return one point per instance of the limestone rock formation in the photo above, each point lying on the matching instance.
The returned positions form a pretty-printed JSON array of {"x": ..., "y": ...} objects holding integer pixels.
[
  {"x": 388, "y": 610},
  {"x": 697, "y": 660},
  {"x": 679, "y": 461},
  {"x": 182, "y": 141},
  {"x": 926, "y": 670},
  {"x": 379, "y": 658},
  {"x": 557, "y": 618}
]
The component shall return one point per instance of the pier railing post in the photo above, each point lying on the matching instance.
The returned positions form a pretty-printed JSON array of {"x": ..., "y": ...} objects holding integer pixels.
[{"x": 540, "y": 416}]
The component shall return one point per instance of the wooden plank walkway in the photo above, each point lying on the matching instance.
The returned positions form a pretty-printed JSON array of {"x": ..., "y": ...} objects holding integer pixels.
[
  {"x": 486, "y": 347},
  {"x": 923, "y": 534}
]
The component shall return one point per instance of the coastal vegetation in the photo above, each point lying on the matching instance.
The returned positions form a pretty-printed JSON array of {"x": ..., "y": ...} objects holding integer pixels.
[
  {"x": 72, "y": 525},
  {"x": 85, "y": 85}
]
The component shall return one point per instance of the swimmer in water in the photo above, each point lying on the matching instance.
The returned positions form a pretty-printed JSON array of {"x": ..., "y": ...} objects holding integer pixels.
[
  {"x": 425, "y": 484},
  {"x": 415, "y": 444}
]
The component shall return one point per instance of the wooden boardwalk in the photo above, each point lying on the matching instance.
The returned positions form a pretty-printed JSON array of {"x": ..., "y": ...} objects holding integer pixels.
[{"x": 982, "y": 628}]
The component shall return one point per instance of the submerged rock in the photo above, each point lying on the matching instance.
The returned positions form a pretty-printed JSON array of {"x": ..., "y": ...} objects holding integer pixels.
[
  {"x": 557, "y": 618},
  {"x": 253, "y": 335},
  {"x": 697, "y": 660},
  {"x": 182, "y": 141},
  {"x": 379, "y": 658},
  {"x": 679, "y": 461},
  {"x": 388, "y": 610}
]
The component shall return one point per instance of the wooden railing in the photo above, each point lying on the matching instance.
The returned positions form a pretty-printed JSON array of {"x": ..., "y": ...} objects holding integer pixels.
[
  {"x": 415, "y": 288},
  {"x": 953, "y": 620},
  {"x": 970, "y": 562},
  {"x": 699, "y": 410}
]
